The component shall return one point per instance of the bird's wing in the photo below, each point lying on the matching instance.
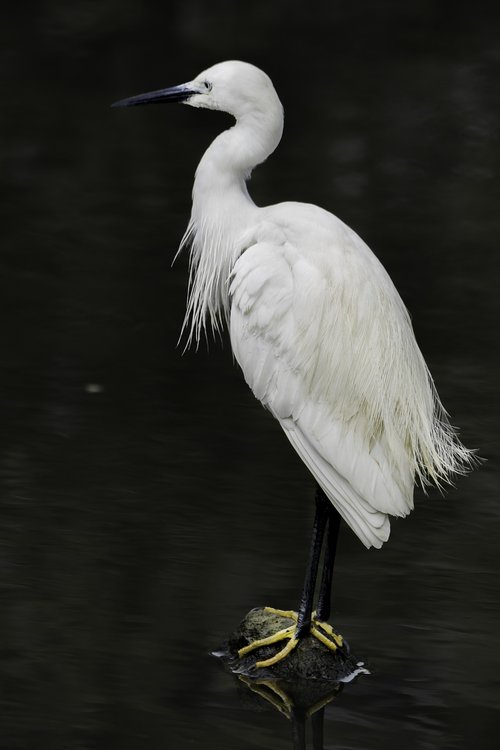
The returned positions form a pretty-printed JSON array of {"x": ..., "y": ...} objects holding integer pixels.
[{"x": 307, "y": 341}]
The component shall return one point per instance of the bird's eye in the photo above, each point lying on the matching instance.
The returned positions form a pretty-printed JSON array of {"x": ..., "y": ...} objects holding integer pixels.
[{"x": 207, "y": 85}]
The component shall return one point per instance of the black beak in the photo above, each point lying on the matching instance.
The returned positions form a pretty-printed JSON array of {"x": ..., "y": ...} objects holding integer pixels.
[{"x": 173, "y": 94}]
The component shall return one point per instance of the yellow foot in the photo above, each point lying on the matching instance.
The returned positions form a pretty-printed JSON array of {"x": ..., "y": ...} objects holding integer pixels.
[
  {"x": 331, "y": 640},
  {"x": 272, "y": 692}
]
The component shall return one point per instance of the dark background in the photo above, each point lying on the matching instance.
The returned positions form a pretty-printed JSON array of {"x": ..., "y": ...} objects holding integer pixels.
[{"x": 147, "y": 500}]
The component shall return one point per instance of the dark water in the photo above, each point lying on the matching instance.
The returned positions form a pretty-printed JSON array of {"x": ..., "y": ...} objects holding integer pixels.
[{"x": 147, "y": 501}]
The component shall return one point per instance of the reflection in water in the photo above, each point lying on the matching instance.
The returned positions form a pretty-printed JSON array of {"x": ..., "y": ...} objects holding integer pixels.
[{"x": 298, "y": 702}]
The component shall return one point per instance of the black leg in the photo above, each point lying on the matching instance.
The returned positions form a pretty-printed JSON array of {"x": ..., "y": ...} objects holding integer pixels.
[
  {"x": 298, "y": 729},
  {"x": 306, "y": 600},
  {"x": 317, "y": 721},
  {"x": 325, "y": 593}
]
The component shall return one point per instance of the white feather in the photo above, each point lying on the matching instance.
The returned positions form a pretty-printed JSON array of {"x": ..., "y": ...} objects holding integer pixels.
[{"x": 316, "y": 324}]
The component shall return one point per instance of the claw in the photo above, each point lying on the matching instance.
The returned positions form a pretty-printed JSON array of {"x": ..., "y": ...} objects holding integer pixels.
[
  {"x": 328, "y": 638},
  {"x": 275, "y": 638},
  {"x": 280, "y": 655}
]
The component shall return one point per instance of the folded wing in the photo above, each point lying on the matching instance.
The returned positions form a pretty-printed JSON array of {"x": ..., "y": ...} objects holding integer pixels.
[{"x": 319, "y": 342}]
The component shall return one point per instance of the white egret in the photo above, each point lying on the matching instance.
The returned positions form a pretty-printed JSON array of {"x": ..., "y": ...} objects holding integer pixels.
[{"x": 319, "y": 330}]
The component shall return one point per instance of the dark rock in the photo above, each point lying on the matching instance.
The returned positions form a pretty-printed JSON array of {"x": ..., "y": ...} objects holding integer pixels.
[{"x": 310, "y": 660}]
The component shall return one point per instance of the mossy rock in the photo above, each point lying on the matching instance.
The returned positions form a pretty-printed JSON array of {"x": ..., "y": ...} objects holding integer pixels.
[{"x": 310, "y": 660}]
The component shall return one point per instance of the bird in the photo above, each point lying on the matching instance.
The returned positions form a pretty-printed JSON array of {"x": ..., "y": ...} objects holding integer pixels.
[{"x": 320, "y": 333}]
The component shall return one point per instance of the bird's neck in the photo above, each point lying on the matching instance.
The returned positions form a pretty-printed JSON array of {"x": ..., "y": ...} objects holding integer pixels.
[{"x": 222, "y": 214}]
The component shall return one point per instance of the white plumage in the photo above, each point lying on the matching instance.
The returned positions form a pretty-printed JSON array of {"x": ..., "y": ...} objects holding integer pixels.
[{"x": 316, "y": 324}]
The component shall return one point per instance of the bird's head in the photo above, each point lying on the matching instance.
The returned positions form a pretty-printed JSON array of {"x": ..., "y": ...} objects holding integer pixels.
[{"x": 233, "y": 86}]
